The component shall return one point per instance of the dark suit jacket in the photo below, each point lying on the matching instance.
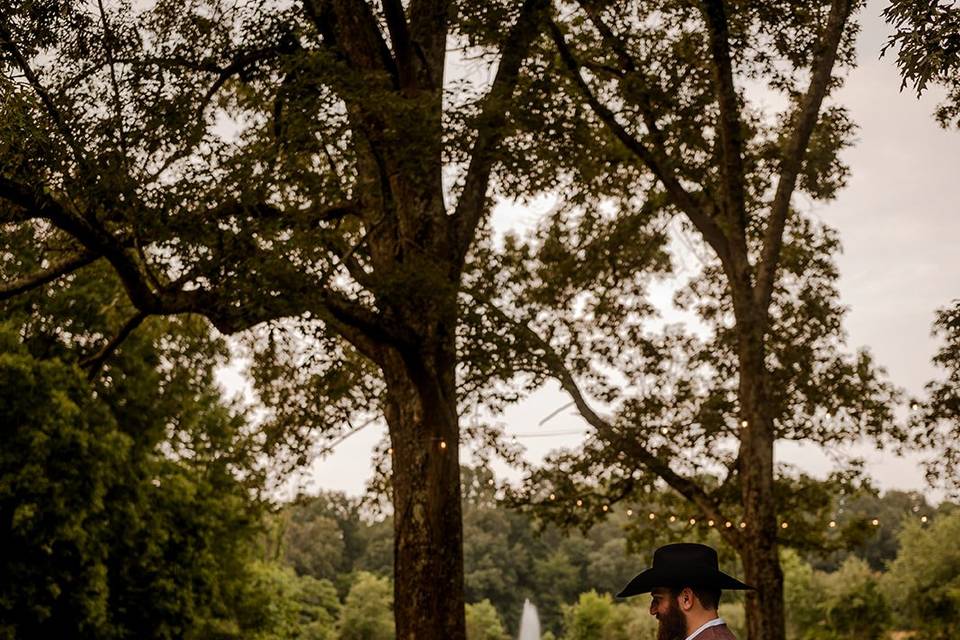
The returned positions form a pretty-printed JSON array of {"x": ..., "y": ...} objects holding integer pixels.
[{"x": 719, "y": 632}]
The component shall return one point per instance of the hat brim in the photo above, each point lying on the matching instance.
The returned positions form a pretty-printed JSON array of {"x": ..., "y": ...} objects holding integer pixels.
[{"x": 654, "y": 578}]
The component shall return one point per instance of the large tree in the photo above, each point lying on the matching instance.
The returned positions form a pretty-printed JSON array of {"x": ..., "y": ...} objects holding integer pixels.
[
  {"x": 259, "y": 161},
  {"x": 708, "y": 118}
]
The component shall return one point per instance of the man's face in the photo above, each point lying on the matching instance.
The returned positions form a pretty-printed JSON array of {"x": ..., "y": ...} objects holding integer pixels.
[{"x": 664, "y": 607}]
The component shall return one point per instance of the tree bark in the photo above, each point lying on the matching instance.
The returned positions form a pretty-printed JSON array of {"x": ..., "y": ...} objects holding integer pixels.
[
  {"x": 759, "y": 554},
  {"x": 421, "y": 413}
]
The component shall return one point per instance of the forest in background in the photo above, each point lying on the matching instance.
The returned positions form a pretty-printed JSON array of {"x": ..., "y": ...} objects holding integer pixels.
[
  {"x": 137, "y": 510},
  {"x": 899, "y": 575}
]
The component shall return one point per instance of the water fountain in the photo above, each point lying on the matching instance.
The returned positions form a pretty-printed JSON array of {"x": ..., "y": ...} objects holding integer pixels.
[{"x": 529, "y": 622}]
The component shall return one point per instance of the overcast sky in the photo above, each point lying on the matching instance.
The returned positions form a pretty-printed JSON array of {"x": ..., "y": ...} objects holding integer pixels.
[{"x": 899, "y": 224}]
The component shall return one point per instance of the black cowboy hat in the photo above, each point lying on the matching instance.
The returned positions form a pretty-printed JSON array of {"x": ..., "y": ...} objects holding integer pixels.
[{"x": 683, "y": 564}]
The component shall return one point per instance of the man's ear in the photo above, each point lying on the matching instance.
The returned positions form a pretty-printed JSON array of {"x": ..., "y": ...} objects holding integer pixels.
[{"x": 686, "y": 598}]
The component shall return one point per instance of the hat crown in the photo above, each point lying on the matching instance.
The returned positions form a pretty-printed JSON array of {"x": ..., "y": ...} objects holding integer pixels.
[
  {"x": 682, "y": 564},
  {"x": 686, "y": 554}
]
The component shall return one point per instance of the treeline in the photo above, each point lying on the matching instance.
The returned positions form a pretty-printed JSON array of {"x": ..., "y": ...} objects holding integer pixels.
[
  {"x": 131, "y": 506},
  {"x": 134, "y": 510},
  {"x": 902, "y": 575}
]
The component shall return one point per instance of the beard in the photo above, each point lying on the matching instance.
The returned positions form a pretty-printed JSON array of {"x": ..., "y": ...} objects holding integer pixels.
[{"x": 673, "y": 626}]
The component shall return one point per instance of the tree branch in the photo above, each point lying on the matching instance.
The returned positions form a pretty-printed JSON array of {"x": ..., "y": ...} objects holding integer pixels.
[
  {"x": 804, "y": 122},
  {"x": 117, "y": 103},
  {"x": 94, "y": 238},
  {"x": 680, "y": 197},
  {"x": 56, "y": 270},
  {"x": 428, "y": 30},
  {"x": 731, "y": 132},
  {"x": 492, "y": 122},
  {"x": 349, "y": 28},
  {"x": 557, "y": 369},
  {"x": 400, "y": 39},
  {"x": 60, "y": 123},
  {"x": 94, "y": 363}
]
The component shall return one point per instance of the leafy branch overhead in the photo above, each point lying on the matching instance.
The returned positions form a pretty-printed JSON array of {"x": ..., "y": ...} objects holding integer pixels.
[
  {"x": 229, "y": 169},
  {"x": 926, "y": 38}
]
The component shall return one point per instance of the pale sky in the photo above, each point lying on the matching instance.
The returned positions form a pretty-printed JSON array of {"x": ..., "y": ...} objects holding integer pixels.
[{"x": 899, "y": 221}]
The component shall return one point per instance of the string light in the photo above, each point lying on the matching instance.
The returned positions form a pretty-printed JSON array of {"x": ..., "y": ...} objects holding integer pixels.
[
  {"x": 744, "y": 424},
  {"x": 491, "y": 483},
  {"x": 390, "y": 451},
  {"x": 443, "y": 444},
  {"x": 710, "y": 523}
]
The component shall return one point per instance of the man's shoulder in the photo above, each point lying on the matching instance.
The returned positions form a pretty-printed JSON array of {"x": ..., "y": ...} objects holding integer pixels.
[{"x": 717, "y": 632}]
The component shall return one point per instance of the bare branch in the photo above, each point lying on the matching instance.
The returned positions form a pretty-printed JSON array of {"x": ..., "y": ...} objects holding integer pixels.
[
  {"x": 492, "y": 120},
  {"x": 804, "y": 121},
  {"x": 680, "y": 197},
  {"x": 56, "y": 270}
]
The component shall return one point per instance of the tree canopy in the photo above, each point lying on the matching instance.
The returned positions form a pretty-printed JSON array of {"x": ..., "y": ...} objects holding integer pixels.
[{"x": 927, "y": 41}]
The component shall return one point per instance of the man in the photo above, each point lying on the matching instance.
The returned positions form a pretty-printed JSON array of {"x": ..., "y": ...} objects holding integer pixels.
[{"x": 685, "y": 583}]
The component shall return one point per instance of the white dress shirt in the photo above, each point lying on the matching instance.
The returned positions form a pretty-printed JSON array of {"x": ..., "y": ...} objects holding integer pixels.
[{"x": 713, "y": 623}]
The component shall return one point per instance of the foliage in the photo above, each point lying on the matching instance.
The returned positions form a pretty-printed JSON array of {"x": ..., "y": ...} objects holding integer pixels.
[
  {"x": 483, "y": 622},
  {"x": 276, "y": 604},
  {"x": 936, "y": 419},
  {"x": 330, "y": 535},
  {"x": 923, "y": 583},
  {"x": 876, "y": 544},
  {"x": 678, "y": 162},
  {"x": 846, "y": 603},
  {"x": 852, "y": 604},
  {"x": 927, "y": 41},
  {"x": 596, "y": 617},
  {"x": 62, "y": 459},
  {"x": 162, "y": 473},
  {"x": 510, "y": 555},
  {"x": 107, "y": 536},
  {"x": 801, "y": 595},
  {"x": 368, "y": 610}
]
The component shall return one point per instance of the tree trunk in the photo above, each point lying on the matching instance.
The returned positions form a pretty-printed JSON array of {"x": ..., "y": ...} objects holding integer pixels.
[
  {"x": 761, "y": 562},
  {"x": 421, "y": 413}
]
